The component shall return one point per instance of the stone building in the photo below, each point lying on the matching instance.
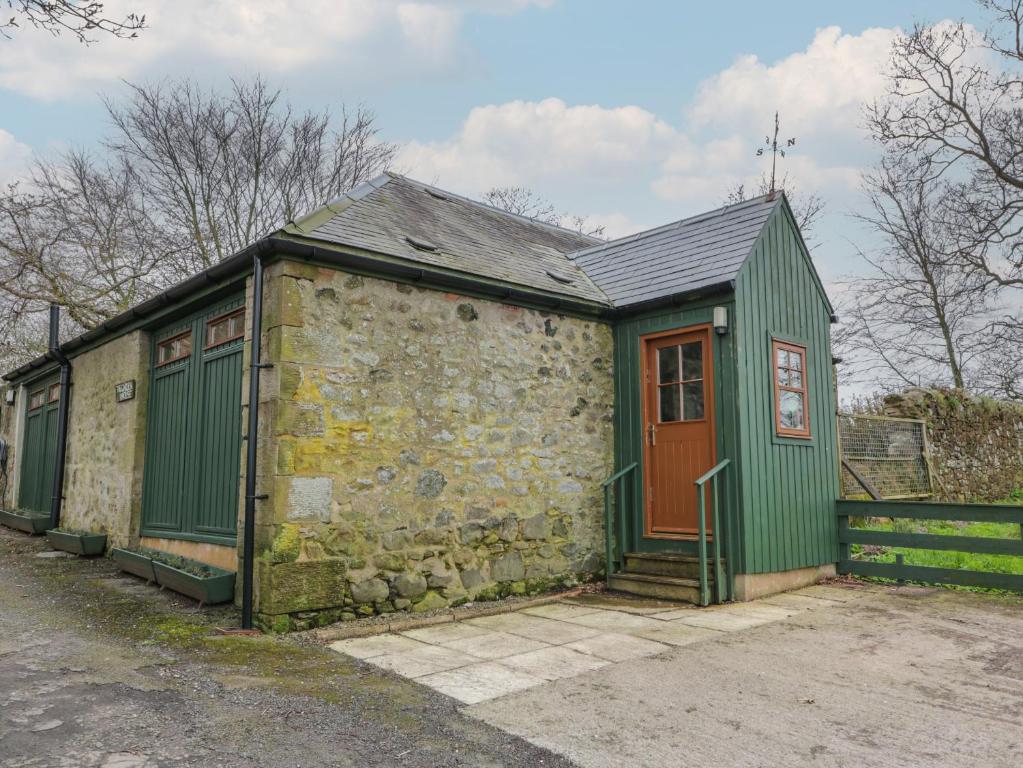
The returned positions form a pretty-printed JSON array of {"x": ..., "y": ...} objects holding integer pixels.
[{"x": 443, "y": 391}]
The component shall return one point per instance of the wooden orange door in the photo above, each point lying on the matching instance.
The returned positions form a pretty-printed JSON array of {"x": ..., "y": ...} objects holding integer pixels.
[{"x": 679, "y": 428}]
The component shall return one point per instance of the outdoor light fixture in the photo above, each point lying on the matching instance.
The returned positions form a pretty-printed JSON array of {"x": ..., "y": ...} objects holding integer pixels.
[
  {"x": 720, "y": 320},
  {"x": 9, "y": 397}
]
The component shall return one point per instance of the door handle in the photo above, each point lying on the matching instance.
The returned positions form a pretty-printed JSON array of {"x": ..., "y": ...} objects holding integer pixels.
[{"x": 652, "y": 430}]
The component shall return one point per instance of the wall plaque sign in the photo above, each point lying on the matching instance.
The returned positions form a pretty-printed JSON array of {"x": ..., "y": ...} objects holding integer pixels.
[{"x": 125, "y": 390}]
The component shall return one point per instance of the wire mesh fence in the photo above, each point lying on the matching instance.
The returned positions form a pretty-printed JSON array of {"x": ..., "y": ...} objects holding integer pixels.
[{"x": 887, "y": 454}]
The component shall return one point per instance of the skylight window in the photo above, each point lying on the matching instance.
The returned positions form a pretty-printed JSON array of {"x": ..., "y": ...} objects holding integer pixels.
[
  {"x": 565, "y": 279},
  {"x": 420, "y": 245}
]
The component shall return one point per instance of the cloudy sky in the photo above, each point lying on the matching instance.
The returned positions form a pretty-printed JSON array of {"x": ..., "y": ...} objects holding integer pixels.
[{"x": 631, "y": 113}]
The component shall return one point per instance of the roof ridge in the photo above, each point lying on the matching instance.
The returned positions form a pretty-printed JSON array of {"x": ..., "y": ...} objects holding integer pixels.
[{"x": 771, "y": 197}]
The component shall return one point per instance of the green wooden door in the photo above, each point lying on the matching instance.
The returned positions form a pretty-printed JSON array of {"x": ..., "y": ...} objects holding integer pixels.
[
  {"x": 39, "y": 460},
  {"x": 193, "y": 433}
]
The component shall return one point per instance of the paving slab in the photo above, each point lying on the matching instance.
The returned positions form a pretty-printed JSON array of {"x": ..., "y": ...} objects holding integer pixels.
[
  {"x": 560, "y": 611},
  {"x": 535, "y": 628},
  {"x": 614, "y": 647},
  {"x": 444, "y": 633},
  {"x": 625, "y": 604},
  {"x": 375, "y": 645},
  {"x": 554, "y": 663},
  {"x": 495, "y": 645},
  {"x": 479, "y": 682},
  {"x": 725, "y": 622},
  {"x": 423, "y": 661},
  {"x": 677, "y": 633},
  {"x": 614, "y": 621}
]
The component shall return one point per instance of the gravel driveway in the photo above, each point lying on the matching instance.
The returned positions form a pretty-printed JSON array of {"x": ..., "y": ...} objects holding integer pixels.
[{"x": 98, "y": 669}]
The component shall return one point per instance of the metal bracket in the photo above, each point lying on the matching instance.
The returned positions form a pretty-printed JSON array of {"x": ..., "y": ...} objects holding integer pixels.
[{"x": 260, "y": 497}]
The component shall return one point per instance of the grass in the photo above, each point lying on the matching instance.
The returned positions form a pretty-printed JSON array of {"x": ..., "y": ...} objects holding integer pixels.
[{"x": 946, "y": 559}]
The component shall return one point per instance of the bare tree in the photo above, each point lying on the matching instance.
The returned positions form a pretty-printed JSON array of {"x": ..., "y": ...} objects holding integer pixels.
[
  {"x": 918, "y": 317},
  {"x": 806, "y": 208},
  {"x": 523, "y": 201},
  {"x": 224, "y": 169},
  {"x": 953, "y": 101},
  {"x": 186, "y": 179},
  {"x": 80, "y": 19}
]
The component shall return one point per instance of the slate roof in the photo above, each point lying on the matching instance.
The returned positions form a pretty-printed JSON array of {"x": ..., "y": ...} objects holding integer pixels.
[
  {"x": 698, "y": 252},
  {"x": 399, "y": 217}
]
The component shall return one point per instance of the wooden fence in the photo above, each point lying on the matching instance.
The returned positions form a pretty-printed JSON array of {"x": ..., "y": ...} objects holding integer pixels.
[{"x": 974, "y": 513}]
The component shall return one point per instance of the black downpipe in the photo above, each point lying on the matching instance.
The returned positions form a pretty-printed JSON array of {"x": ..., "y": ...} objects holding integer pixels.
[
  {"x": 57, "y": 500},
  {"x": 252, "y": 441}
]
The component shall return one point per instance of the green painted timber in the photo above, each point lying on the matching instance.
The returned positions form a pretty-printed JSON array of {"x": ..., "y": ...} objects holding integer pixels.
[
  {"x": 983, "y": 513},
  {"x": 788, "y": 485},
  {"x": 929, "y": 575},
  {"x": 628, "y": 417},
  {"x": 193, "y": 436},
  {"x": 39, "y": 460},
  {"x": 932, "y": 510}
]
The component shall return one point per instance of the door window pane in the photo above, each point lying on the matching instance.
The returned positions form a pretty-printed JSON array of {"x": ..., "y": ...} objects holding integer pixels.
[
  {"x": 692, "y": 361},
  {"x": 667, "y": 365},
  {"x": 692, "y": 400},
  {"x": 790, "y": 407},
  {"x": 670, "y": 405}
]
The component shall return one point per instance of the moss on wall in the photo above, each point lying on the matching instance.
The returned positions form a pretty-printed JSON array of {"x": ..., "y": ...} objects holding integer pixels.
[{"x": 446, "y": 448}]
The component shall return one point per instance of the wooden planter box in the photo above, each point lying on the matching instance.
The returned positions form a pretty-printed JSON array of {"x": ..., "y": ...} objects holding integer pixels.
[
  {"x": 208, "y": 590},
  {"x": 25, "y": 521},
  {"x": 88, "y": 544},
  {"x": 134, "y": 563}
]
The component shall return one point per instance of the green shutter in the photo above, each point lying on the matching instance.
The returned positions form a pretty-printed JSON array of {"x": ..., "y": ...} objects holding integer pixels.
[{"x": 193, "y": 436}]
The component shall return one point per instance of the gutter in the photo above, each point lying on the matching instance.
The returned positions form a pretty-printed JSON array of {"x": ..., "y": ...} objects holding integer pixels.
[{"x": 55, "y": 353}]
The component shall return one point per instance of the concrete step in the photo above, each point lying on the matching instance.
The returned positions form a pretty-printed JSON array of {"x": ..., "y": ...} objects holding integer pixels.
[
  {"x": 661, "y": 587},
  {"x": 666, "y": 564}
]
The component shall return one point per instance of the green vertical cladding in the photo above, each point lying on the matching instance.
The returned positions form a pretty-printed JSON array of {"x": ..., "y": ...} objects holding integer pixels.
[
  {"x": 788, "y": 486},
  {"x": 629, "y": 417},
  {"x": 193, "y": 437},
  {"x": 39, "y": 458}
]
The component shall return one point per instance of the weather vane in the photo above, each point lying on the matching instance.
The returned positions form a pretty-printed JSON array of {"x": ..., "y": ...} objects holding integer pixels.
[{"x": 772, "y": 145}]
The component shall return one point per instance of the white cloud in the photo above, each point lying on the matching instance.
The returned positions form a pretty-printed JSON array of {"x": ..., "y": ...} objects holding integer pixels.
[
  {"x": 823, "y": 86},
  {"x": 272, "y": 36},
  {"x": 530, "y": 142},
  {"x": 14, "y": 158}
]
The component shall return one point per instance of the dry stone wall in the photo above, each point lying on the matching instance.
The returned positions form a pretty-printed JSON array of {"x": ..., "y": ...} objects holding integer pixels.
[
  {"x": 976, "y": 443},
  {"x": 424, "y": 449}
]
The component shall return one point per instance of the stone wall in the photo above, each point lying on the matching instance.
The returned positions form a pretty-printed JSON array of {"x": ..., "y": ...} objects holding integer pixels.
[
  {"x": 9, "y": 433},
  {"x": 103, "y": 475},
  {"x": 976, "y": 442},
  {"x": 422, "y": 449}
]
